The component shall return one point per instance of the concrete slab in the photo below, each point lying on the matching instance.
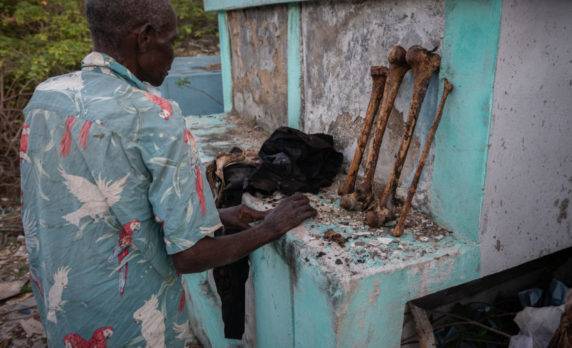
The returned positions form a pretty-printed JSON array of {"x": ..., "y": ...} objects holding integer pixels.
[
  {"x": 310, "y": 291},
  {"x": 195, "y": 83}
]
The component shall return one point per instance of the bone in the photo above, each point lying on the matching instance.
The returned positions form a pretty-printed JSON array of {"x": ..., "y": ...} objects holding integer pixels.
[
  {"x": 399, "y": 228},
  {"x": 362, "y": 197},
  {"x": 423, "y": 64},
  {"x": 378, "y": 75}
]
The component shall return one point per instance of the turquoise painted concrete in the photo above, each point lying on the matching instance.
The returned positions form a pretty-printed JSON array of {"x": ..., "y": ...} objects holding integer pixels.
[
  {"x": 309, "y": 304},
  {"x": 294, "y": 67},
  {"x": 195, "y": 83},
  {"x": 225, "y": 61},
  {"x": 273, "y": 298},
  {"x": 469, "y": 51},
  {"x": 205, "y": 311},
  {"x": 372, "y": 312},
  {"x": 302, "y": 301},
  {"x": 314, "y": 308},
  {"x": 217, "y": 5}
]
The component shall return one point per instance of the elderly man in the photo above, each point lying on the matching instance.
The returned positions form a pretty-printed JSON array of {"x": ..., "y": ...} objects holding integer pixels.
[{"x": 115, "y": 203}]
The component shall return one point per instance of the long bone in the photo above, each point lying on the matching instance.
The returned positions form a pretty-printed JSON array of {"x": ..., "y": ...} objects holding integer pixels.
[
  {"x": 423, "y": 64},
  {"x": 378, "y": 76},
  {"x": 398, "y": 66},
  {"x": 398, "y": 229}
]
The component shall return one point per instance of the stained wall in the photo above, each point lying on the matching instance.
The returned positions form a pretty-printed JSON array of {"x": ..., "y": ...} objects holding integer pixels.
[
  {"x": 526, "y": 211},
  {"x": 258, "y": 42}
]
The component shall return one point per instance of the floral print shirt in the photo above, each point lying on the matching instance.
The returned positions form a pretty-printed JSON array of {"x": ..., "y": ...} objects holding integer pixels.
[{"x": 111, "y": 186}]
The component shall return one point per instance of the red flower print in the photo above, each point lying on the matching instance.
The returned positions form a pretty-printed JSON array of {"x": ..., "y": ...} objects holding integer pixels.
[
  {"x": 166, "y": 107},
  {"x": 97, "y": 340},
  {"x": 200, "y": 189},
  {"x": 126, "y": 234},
  {"x": 125, "y": 240},
  {"x": 182, "y": 301},
  {"x": 189, "y": 138},
  {"x": 65, "y": 143},
  {"x": 84, "y": 134},
  {"x": 24, "y": 141}
]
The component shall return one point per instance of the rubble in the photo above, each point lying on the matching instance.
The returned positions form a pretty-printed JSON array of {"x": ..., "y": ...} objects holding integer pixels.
[
  {"x": 338, "y": 234},
  {"x": 20, "y": 324}
]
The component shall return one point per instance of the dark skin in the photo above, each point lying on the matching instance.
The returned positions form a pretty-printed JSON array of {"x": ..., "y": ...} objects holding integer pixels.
[{"x": 148, "y": 53}]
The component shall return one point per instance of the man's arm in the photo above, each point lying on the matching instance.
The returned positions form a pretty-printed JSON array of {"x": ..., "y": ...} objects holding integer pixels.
[{"x": 210, "y": 252}]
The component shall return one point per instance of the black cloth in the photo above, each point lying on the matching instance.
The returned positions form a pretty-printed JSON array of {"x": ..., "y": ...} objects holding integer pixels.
[
  {"x": 293, "y": 161},
  {"x": 230, "y": 280}
]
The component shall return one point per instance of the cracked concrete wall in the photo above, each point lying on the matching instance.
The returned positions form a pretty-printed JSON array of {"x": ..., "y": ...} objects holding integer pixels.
[
  {"x": 340, "y": 41},
  {"x": 258, "y": 40},
  {"x": 526, "y": 211}
]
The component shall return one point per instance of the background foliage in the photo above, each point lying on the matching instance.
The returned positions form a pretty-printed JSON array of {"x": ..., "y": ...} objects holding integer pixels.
[{"x": 42, "y": 38}]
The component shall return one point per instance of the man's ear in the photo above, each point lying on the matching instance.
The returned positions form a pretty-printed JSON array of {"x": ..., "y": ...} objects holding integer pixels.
[{"x": 145, "y": 37}]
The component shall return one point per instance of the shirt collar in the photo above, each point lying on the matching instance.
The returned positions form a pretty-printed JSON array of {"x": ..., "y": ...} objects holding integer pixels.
[{"x": 102, "y": 60}]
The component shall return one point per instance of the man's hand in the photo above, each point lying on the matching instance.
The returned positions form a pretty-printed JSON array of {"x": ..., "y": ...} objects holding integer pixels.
[
  {"x": 240, "y": 216},
  {"x": 215, "y": 252},
  {"x": 289, "y": 213}
]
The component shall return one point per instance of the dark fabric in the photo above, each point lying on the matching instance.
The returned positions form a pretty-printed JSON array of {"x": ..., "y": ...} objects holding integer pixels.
[
  {"x": 230, "y": 281},
  {"x": 293, "y": 161},
  {"x": 236, "y": 175}
]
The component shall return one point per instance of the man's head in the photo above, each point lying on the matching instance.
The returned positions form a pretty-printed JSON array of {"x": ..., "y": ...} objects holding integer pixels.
[{"x": 137, "y": 33}]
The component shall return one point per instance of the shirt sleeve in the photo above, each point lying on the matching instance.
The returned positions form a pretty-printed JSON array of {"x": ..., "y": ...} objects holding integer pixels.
[{"x": 179, "y": 192}]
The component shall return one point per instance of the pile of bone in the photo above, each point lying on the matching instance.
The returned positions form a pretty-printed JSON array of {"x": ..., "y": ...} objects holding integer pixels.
[{"x": 386, "y": 83}]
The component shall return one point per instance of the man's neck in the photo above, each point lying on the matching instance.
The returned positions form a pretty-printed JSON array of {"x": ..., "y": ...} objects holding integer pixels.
[{"x": 127, "y": 60}]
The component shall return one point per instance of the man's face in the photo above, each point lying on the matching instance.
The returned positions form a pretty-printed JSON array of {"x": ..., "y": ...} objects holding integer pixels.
[{"x": 156, "y": 59}]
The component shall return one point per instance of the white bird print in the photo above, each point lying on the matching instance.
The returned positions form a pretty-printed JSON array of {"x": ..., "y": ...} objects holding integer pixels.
[
  {"x": 183, "y": 331},
  {"x": 152, "y": 323},
  {"x": 55, "y": 302},
  {"x": 96, "y": 198},
  {"x": 209, "y": 230}
]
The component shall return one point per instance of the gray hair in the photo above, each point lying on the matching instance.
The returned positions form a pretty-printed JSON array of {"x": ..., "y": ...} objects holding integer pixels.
[{"x": 110, "y": 20}]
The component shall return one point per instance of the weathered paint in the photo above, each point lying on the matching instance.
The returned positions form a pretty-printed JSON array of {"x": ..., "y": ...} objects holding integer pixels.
[
  {"x": 204, "y": 310},
  {"x": 469, "y": 56},
  {"x": 337, "y": 83},
  {"x": 344, "y": 304},
  {"x": 195, "y": 84},
  {"x": 259, "y": 41},
  {"x": 217, "y": 5},
  {"x": 526, "y": 211},
  {"x": 306, "y": 299},
  {"x": 273, "y": 298},
  {"x": 225, "y": 61},
  {"x": 378, "y": 301},
  {"x": 294, "y": 67}
]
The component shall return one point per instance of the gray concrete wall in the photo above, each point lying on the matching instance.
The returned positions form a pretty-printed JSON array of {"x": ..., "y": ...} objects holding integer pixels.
[
  {"x": 529, "y": 173},
  {"x": 340, "y": 41},
  {"x": 258, "y": 39}
]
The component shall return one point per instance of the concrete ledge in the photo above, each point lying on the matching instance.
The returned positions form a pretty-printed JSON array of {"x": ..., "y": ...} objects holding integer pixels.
[
  {"x": 223, "y": 5},
  {"x": 307, "y": 291}
]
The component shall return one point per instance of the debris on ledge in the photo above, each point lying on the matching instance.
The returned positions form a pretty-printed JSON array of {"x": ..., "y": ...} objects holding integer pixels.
[
  {"x": 341, "y": 239},
  {"x": 350, "y": 247}
]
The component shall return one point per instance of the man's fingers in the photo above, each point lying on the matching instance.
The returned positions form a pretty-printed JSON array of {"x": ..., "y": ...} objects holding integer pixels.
[
  {"x": 251, "y": 215},
  {"x": 258, "y": 215},
  {"x": 303, "y": 210},
  {"x": 308, "y": 214}
]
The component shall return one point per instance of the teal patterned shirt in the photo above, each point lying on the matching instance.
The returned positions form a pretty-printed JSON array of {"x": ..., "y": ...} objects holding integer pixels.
[{"x": 111, "y": 186}]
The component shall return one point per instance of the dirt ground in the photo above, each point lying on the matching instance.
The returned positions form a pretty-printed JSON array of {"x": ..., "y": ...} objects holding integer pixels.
[{"x": 20, "y": 324}]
